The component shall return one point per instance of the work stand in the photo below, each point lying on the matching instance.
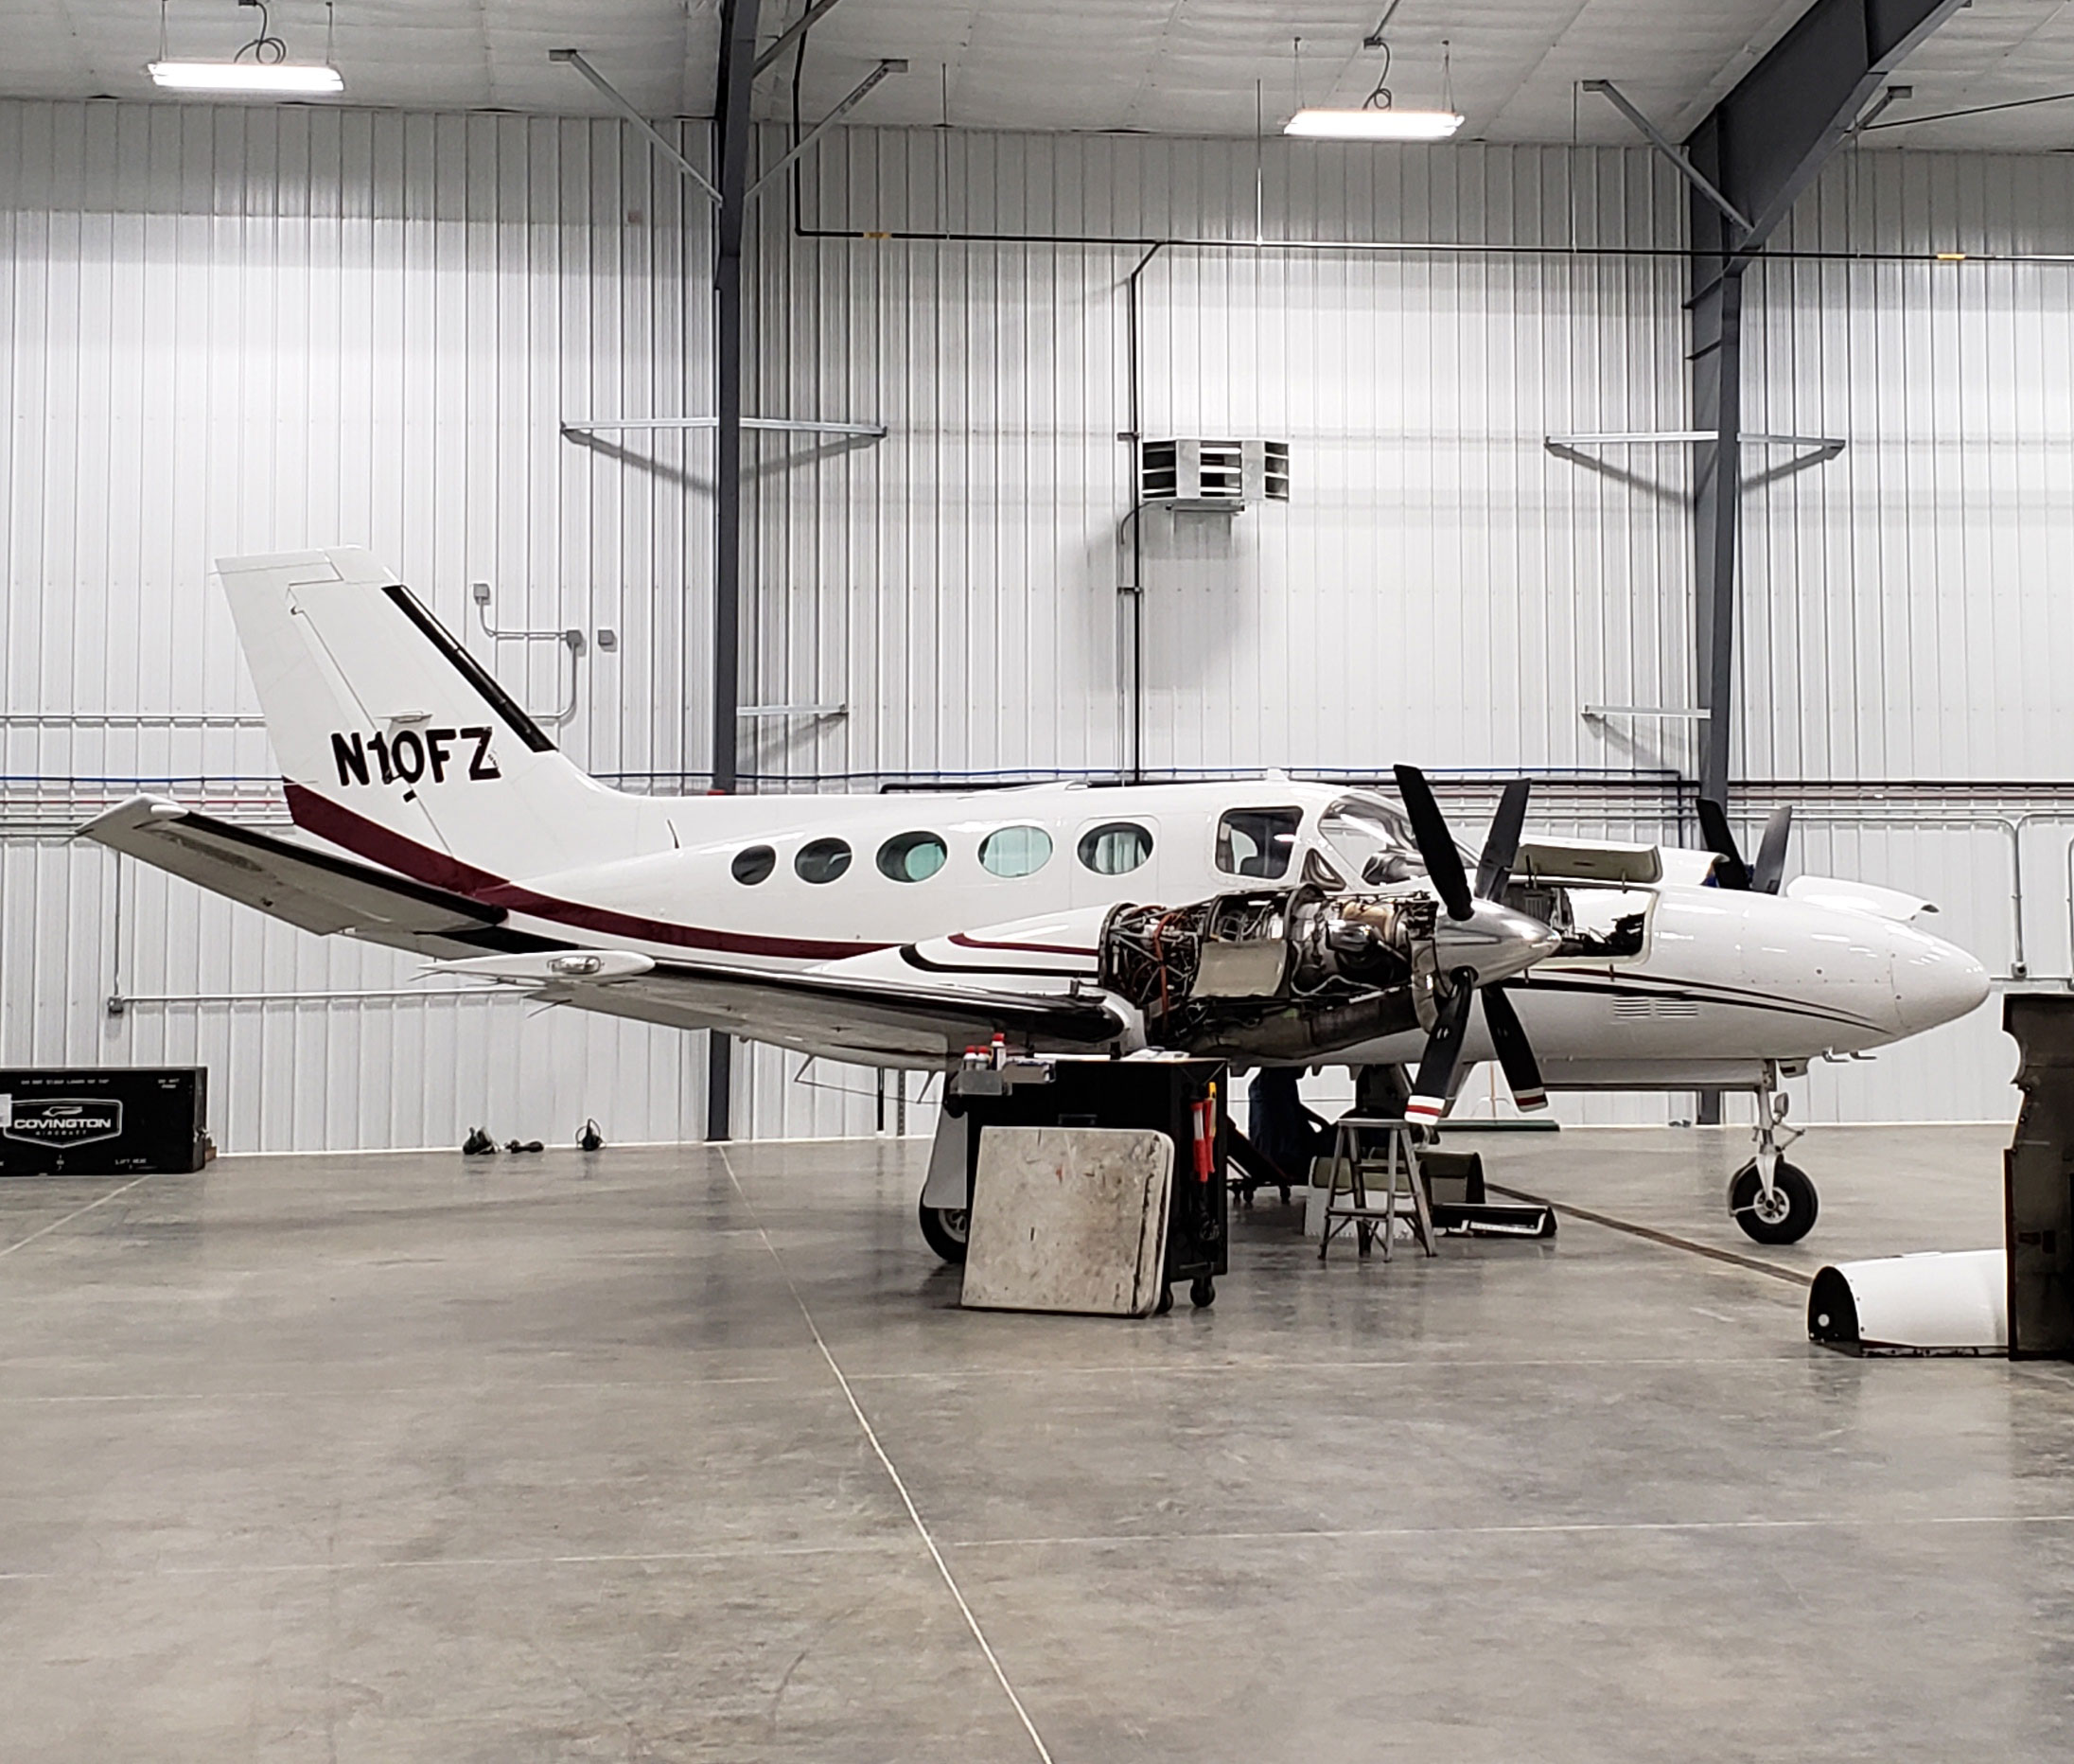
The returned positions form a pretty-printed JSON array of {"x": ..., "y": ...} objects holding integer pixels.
[{"x": 1355, "y": 1147}]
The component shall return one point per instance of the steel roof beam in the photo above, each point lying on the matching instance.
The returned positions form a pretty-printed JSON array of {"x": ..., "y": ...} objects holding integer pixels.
[
  {"x": 794, "y": 31},
  {"x": 1765, "y": 143},
  {"x": 647, "y": 129},
  {"x": 1655, "y": 136}
]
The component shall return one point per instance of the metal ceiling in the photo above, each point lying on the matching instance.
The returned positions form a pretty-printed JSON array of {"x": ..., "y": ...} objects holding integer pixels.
[{"x": 1159, "y": 66}]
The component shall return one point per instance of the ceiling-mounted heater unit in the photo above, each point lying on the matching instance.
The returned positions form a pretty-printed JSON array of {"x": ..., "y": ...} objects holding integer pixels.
[{"x": 1213, "y": 477}]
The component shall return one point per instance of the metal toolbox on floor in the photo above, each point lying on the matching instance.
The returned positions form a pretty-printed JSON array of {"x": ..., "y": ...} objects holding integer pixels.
[
  {"x": 103, "y": 1121},
  {"x": 1182, "y": 1099}
]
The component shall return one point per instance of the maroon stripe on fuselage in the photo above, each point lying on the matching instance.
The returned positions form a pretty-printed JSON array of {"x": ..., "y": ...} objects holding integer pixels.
[
  {"x": 341, "y": 826},
  {"x": 963, "y": 942}
]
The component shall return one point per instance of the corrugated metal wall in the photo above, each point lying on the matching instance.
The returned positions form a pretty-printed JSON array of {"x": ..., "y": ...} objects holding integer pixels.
[
  {"x": 1904, "y": 620},
  {"x": 1441, "y": 585},
  {"x": 236, "y": 330},
  {"x": 239, "y": 329}
]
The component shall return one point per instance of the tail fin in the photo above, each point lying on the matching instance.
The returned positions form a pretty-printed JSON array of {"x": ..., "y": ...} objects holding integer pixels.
[{"x": 396, "y": 743}]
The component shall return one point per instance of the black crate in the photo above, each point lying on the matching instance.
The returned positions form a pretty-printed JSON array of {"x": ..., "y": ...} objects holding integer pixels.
[
  {"x": 1158, "y": 1094},
  {"x": 103, "y": 1121}
]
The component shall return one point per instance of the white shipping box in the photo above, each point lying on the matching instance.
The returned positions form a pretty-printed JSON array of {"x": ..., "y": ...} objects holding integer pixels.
[{"x": 1069, "y": 1219}]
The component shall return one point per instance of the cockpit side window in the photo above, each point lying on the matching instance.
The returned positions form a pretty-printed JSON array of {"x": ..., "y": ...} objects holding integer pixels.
[
  {"x": 1371, "y": 839},
  {"x": 1257, "y": 841}
]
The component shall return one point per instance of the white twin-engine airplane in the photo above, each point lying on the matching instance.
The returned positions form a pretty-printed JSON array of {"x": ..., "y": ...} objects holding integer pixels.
[{"x": 1314, "y": 925}]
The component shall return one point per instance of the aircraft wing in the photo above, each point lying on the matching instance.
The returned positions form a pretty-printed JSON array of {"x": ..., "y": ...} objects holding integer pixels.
[
  {"x": 305, "y": 887},
  {"x": 837, "y": 1016}
]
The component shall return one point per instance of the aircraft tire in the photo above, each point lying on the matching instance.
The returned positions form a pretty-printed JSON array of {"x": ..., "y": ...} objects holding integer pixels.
[
  {"x": 1794, "y": 1194},
  {"x": 945, "y": 1228}
]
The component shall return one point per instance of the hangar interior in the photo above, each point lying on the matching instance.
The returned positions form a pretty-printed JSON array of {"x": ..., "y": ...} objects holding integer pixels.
[
  {"x": 463, "y": 316},
  {"x": 233, "y": 329}
]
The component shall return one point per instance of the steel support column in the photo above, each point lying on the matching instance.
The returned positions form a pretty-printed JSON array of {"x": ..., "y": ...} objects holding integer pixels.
[
  {"x": 1756, "y": 151},
  {"x": 731, "y": 130},
  {"x": 1717, "y": 495}
]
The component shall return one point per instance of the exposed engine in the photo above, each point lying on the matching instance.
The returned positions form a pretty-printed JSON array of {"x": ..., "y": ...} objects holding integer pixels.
[
  {"x": 1552, "y": 906},
  {"x": 1273, "y": 976}
]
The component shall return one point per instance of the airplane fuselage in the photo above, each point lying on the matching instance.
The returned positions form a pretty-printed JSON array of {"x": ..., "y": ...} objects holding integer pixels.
[{"x": 1008, "y": 889}]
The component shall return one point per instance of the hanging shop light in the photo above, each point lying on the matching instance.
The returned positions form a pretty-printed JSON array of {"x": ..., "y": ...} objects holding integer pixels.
[
  {"x": 1380, "y": 118},
  {"x": 260, "y": 69}
]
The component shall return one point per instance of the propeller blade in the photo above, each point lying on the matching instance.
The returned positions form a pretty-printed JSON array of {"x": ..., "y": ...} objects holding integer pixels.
[
  {"x": 1502, "y": 845},
  {"x": 1514, "y": 1052},
  {"x": 1732, "y": 872},
  {"x": 1772, "y": 854},
  {"x": 1443, "y": 862},
  {"x": 1443, "y": 1049}
]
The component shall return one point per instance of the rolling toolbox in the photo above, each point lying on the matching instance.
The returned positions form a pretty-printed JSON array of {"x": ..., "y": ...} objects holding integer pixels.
[{"x": 1186, "y": 1099}]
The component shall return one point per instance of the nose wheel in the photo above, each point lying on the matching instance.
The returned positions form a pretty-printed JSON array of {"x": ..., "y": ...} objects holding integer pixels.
[
  {"x": 1783, "y": 1213},
  {"x": 1772, "y": 1200}
]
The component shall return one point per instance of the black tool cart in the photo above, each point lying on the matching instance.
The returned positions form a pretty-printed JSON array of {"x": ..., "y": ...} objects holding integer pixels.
[{"x": 1183, "y": 1098}]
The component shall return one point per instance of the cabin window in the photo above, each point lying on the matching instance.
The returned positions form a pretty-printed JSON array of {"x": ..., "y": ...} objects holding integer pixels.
[
  {"x": 911, "y": 856},
  {"x": 1016, "y": 851},
  {"x": 753, "y": 865},
  {"x": 1116, "y": 848},
  {"x": 1257, "y": 841},
  {"x": 821, "y": 861}
]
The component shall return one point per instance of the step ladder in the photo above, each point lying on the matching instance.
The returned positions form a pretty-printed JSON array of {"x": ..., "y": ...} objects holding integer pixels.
[{"x": 1355, "y": 1148}]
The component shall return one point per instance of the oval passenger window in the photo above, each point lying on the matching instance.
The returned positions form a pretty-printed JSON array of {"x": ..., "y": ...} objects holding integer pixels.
[
  {"x": 754, "y": 865},
  {"x": 911, "y": 856},
  {"x": 1016, "y": 851},
  {"x": 1116, "y": 848},
  {"x": 821, "y": 861}
]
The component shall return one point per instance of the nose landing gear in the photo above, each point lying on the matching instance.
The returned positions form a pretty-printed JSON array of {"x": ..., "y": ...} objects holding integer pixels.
[{"x": 1772, "y": 1200}]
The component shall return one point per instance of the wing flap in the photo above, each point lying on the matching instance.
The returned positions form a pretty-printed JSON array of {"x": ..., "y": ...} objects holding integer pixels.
[{"x": 845, "y": 1017}]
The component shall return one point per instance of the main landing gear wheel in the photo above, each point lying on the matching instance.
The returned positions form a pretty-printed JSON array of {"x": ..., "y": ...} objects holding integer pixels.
[
  {"x": 1783, "y": 1216},
  {"x": 1201, "y": 1291},
  {"x": 946, "y": 1229}
]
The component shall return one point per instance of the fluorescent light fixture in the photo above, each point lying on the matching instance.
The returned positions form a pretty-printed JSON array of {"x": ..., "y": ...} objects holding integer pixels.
[
  {"x": 257, "y": 79},
  {"x": 1374, "y": 125}
]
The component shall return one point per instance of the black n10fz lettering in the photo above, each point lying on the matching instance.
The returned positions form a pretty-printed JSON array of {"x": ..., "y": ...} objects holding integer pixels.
[{"x": 408, "y": 756}]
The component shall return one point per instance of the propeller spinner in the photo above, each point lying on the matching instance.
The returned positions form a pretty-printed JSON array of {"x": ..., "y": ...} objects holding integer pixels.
[{"x": 1483, "y": 945}]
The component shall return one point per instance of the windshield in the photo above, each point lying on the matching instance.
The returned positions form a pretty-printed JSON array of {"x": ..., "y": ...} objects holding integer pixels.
[{"x": 1372, "y": 838}]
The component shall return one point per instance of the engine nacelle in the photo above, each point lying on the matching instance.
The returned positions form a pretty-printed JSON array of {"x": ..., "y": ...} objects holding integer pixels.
[{"x": 1273, "y": 976}]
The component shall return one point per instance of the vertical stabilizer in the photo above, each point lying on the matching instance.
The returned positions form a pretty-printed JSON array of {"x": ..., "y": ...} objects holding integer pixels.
[{"x": 396, "y": 744}]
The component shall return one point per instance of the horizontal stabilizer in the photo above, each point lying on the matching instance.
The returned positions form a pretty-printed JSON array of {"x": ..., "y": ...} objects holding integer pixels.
[{"x": 310, "y": 889}]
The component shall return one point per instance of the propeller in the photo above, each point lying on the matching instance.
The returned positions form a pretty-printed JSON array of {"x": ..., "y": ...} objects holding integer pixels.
[
  {"x": 1436, "y": 844},
  {"x": 1502, "y": 844},
  {"x": 1514, "y": 1052},
  {"x": 1444, "y": 869},
  {"x": 1732, "y": 872}
]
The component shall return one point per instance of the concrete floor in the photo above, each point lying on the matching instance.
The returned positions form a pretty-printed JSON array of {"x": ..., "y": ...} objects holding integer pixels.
[{"x": 662, "y": 1454}]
